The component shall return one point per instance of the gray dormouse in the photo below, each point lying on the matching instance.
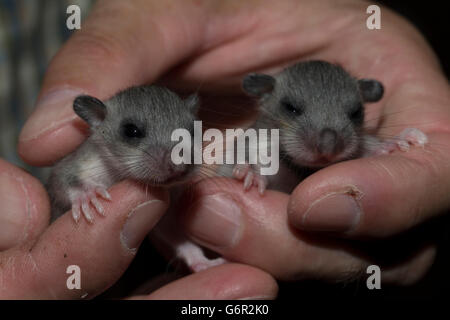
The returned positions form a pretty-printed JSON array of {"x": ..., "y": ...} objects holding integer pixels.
[
  {"x": 319, "y": 110},
  {"x": 130, "y": 138}
]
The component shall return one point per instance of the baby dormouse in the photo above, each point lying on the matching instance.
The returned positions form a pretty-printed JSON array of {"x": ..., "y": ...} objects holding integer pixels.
[
  {"x": 130, "y": 138},
  {"x": 319, "y": 110}
]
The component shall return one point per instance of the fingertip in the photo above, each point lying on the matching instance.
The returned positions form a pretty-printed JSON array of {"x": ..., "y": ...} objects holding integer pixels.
[
  {"x": 140, "y": 221},
  {"x": 102, "y": 250},
  {"x": 338, "y": 210},
  {"x": 53, "y": 109},
  {"x": 52, "y": 145},
  {"x": 53, "y": 129},
  {"x": 224, "y": 282},
  {"x": 215, "y": 219},
  {"x": 368, "y": 197},
  {"x": 220, "y": 210},
  {"x": 252, "y": 235},
  {"x": 333, "y": 199}
]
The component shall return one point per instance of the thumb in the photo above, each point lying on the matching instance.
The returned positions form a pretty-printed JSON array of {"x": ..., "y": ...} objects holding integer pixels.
[
  {"x": 376, "y": 197},
  {"x": 121, "y": 44},
  {"x": 102, "y": 251}
]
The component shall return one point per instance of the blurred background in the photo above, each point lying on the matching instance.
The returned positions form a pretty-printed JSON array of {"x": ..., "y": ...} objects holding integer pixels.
[{"x": 31, "y": 32}]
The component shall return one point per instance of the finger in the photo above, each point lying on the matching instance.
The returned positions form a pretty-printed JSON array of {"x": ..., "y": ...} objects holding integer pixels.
[
  {"x": 376, "y": 197},
  {"x": 245, "y": 227},
  {"x": 101, "y": 250},
  {"x": 225, "y": 282},
  {"x": 413, "y": 270},
  {"x": 24, "y": 211},
  {"x": 121, "y": 44}
]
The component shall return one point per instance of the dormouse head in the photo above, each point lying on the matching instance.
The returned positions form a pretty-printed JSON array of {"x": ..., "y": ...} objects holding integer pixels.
[
  {"x": 133, "y": 130},
  {"x": 318, "y": 107}
]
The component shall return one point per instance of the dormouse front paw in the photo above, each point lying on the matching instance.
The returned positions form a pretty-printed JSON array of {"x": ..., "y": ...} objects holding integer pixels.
[
  {"x": 250, "y": 177},
  {"x": 408, "y": 137},
  {"x": 83, "y": 201}
]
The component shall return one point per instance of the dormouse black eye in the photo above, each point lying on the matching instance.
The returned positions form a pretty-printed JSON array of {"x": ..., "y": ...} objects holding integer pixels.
[
  {"x": 290, "y": 108},
  {"x": 357, "y": 114},
  {"x": 131, "y": 130}
]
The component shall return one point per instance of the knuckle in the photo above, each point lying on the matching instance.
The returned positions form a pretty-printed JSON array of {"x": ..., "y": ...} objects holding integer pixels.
[{"x": 99, "y": 47}]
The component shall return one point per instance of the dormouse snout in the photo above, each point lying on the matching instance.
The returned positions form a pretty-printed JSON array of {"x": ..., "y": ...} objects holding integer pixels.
[
  {"x": 165, "y": 169},
  {"x": 329, "y": 143}
]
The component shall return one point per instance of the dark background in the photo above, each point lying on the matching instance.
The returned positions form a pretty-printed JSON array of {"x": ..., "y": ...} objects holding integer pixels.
[{"x": 432, "y": 19}]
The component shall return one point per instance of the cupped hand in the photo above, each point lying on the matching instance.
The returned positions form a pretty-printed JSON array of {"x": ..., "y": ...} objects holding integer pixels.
[
  {"x": 34, "y": 258},
  {"x": 214, "y": 43}
]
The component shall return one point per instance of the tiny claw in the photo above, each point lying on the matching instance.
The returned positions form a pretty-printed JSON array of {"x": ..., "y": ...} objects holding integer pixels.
[
  {"x": 76, "y": 214},
  {"x": 97, "y": 205},
  {"x": 87, "y": 211},
  {"x": 414, "y": 136},
  {"x": 102, "y": 192},
  {"x": 261, "y": 182},
  {"x": 248, "y": 180},
  {"x": 261, "y": 188},
  {"x": 403, "y": 145},
  {"x": 240, "y": 171}
]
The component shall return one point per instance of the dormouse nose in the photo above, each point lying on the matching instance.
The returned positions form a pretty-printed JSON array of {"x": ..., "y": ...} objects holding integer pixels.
[
  {"x": 167, "y": 166},
  {"x": 328, "y": 143}
]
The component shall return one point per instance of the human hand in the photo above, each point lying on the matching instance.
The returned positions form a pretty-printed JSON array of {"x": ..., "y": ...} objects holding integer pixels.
[
  {"x": 34, "y": 257},
  {"x": 374, "y": 199},
  {"x": 215, "y": 43}
]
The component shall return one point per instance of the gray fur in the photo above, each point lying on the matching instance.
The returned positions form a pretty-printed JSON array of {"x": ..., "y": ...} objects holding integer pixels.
[
  {"x": 107, "y": 156},
  {"x": 90, "y": 109},
  {"x": 371, "y": 90},
  {"x": 326, "y": 97},
  {"x": 258, "y": 84}
]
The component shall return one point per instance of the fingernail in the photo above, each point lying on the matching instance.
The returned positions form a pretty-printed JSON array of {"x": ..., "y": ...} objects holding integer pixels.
[
  {"x": 140, "y": 221},
  {"x": 13, "y": 211},
  {"x": 55, "y": 109},
  {"x": 335, "y": 212},
  {"x": 216, "y": 220}
]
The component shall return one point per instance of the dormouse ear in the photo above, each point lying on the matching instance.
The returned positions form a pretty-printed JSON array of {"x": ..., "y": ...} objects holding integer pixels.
[
  {"x": 90, "y": 109},
  {"x": 192, "y": 102},
  {"x": 371, "y": 90},
  {"x": 257, "y": 84}
]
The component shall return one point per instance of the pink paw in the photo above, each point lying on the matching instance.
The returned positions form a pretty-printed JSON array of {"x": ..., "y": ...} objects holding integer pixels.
[
  {"x": 250, "y": 176},
  {"x": 408, "y": 137},
  {"x": 206, "y": 264},
  {"x": 83, "y": 200},
  {"x": 194, "y": 257}
]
